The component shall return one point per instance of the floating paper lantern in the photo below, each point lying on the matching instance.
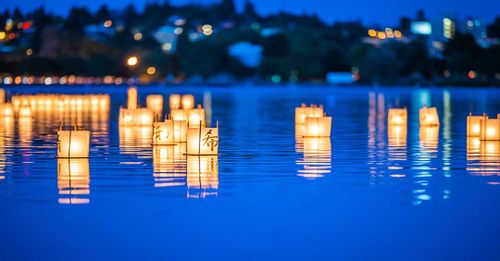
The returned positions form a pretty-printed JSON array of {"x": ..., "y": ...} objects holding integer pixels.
[
  {"x": 179, "y": 115},
  {"x": 73, "y": 180},
  {"x": 132, "y": 98},
  {"x": 187, "y": 101},
  {"x": 134, "y": 139},
  {"x": 163, "y": 133},
  {"x": 397, "y": 116},
  {"x": 474, "y": 125},
  {"x": 429, "y": 116},
  {"x": 318, "y": 126},
  {"x": 203, "y": 172},
  {"x": 2, "y": 96},
  {"x": 136, "y": 117},
  {"x": 174, "y": 101},
  {"x": 25, "y": 112},
  {"x": 196, "y": 117},
  {"x": 155, "y": 104},
  {"x": 6, "y": 110},
  {"x": 489, "y": 129},
  {"x": 180, "y": 131},
  {"x": 203, "y": 141},
  {"x": 303, "y": 112},
  {"x": 73, "y": 143}
]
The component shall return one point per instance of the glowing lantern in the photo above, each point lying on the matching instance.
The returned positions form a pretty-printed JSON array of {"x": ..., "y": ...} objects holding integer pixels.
[
  {"x": 203, "y": 141},
  {"x": 132, "y": 98},
  {"x": 318, "y": 127},
  {"x": 174, "y": 101},
  {"x": 490, "y": 129},
  {"x": 2, "y": 95},
  {"x": 73, "y": 179},
  {"x": 474, "y": 125},
  {"x": 163, "y": 133},
  {"x": 429, "y": 116},
  {"x": 136, "y": 117},
  {"x": 187, "y": 101},
  {"x": 180, "y": 131},
  {"x": 301, "y": 113},
  {"x": 203, "y": 172},
  {"x": 25, "y": 112},
  {"x": 196, "y": 117},
  {"x": 397, "y": 116},
  {"x": 73, "y": 143},
  {"x": 6, "y": 110},
  {"x": 179, "y": 115},
  {"x": 155, "y": 104}
]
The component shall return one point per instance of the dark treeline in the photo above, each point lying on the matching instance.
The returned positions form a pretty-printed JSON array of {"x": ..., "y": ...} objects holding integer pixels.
[{"x": 299, "y": 47}]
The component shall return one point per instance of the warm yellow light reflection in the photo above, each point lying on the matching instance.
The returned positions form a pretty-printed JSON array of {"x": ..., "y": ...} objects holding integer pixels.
[
  {"x": 202, "y": 172},
  {"x": 474, "y": 125},
  {"x": 134, "y": 139},
  {"x": 429, "y": 116},
  {"x": 136, "y": 117},
  {"x": 317, "y": 159},
  {"x": 203, "y": 141},
  {"x": 429, "y": 136},
  {"x": 6, "y": 110},
  {"x": 301, "y": 113},
  {"x": 73, "y": 180},
  {"x": 2, "y": 96},
  {"x": 169, "y": 166},
  {"x": 397, "y": 135},
  {"x": 318, "y": 127}
]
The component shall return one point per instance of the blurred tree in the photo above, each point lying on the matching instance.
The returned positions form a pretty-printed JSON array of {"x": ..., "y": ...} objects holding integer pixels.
[{"x": 461, "y": 53}]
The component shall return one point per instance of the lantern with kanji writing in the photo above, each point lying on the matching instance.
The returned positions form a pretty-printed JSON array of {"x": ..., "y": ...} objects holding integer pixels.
[
  {"x": 474, "y": 125},
  {"x": 131, "y": 98},
  {"x": 303, "y": 112},
  {"x": 397, "y": 116},
  {"x": 489, "y": 129},
  {"x": 73, "y": 143},
  {"x": 174, "y": 101},
  {"x": 187, "y": 101},
  {"x": 429, "y": 116},
  {"x": 163, "y": 133},
  {"x": 203, "y": 141},
  {"x": 318, "y": 126}
]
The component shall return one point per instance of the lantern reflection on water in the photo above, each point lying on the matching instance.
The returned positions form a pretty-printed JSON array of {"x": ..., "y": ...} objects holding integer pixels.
[
  {"x": 397, "y": 135},
  {"x": 6, "y": 110},
  {"x": 25, "y": 112},
  {"x": 203, "y": 141},
  {"x": 483, "y": 157},
  {"x": 202, "y": 173},
  {"x": 169, "y": 167},
  {"x": 163, "y": 133},
  {"x": 134, "y": 139},
  {"x": 73, "y": 143},
  {"x": 489, "y": 129},
  {"x": 429, "y": 136},
  {"x": 303, "y": 112},
  {"x": 474, "y": 125},
  {"x": 187, "y": 101},
  {"x": 136, "y": 117},
  {"x": 318, "y": 126},
  {"x": 2, "y": 96},
  {"x": 73, "y": 180},
  {"x": 397, "y": 116},
  {"x": 317, "y": 159},
  {"x": 174, "y": 101},
  {"x": 132, "y": 98},
  {"x": 429, "y": 116},
  {"x": 155, "y": 104}
]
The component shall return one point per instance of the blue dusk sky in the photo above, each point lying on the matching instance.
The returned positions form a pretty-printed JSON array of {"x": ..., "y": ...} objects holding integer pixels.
[{"x": 384, "y": 12}]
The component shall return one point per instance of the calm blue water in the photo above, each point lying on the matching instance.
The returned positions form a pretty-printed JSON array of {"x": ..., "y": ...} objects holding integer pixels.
[{"x": 356, "y": 196}]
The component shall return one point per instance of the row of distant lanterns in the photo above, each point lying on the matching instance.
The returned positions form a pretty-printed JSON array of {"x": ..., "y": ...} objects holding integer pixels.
[{"x": 186, "y": 125}]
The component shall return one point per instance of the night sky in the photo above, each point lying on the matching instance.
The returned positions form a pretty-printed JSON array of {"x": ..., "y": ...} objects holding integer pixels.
[{"x": 384, "y": 12}]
